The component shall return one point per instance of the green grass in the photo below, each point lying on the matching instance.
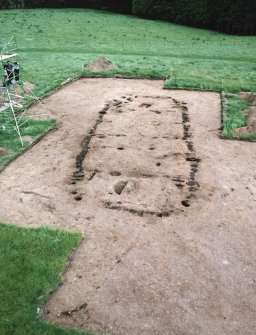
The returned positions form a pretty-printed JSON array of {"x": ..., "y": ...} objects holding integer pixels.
[
  {"x": 248, "y": 136},
  {"x": 233, "y": 115},
  {"x": 55, "y": 44},
  {"x": 10, "y": 139},
  {"x": 31, "y": 263}
]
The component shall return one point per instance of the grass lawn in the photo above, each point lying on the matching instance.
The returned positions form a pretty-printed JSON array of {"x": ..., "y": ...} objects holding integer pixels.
[
  {"x": 31, "y": 263},
  {"x": 55, "y": 44}
]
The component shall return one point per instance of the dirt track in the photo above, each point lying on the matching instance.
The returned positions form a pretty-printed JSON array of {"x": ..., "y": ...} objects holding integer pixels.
[{"x": 166, "y": 207}]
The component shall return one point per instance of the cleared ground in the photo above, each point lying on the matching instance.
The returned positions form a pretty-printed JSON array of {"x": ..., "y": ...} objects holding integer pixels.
[{"x": 167, "y": 209}]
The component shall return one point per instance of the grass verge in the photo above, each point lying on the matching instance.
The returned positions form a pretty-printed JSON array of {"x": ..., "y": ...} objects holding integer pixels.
[
  {"x": 31, "y": 263},
  {"x": 234, "y": 116}
]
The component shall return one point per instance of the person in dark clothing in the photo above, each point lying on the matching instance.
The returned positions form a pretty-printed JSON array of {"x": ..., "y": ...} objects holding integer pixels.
[
  {"x": 5, "y": 83},
  {"x": 16, "y": 70},
  {"x": 9, "y": 70}
]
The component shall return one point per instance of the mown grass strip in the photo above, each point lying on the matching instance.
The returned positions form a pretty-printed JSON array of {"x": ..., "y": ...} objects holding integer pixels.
[{"x": 32, "y": 262}]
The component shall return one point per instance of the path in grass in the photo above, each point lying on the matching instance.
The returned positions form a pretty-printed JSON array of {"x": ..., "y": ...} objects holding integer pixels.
[{"x": 166, "y": 206}]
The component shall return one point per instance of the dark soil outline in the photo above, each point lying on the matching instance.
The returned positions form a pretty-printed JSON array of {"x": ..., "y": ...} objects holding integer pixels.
[
  {"x": 86, "y": 145},
  {"x": 190, "y": 156}
]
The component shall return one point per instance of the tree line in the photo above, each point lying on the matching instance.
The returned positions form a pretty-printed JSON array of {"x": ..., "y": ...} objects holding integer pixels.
[{"x": 229, "y": 16}]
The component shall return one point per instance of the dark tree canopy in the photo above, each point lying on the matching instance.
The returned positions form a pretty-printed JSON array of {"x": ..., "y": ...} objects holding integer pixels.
[{"x": 229, "y": 16}]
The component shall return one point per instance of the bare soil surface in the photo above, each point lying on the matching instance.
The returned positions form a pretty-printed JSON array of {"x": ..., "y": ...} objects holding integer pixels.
[
  {"x": 249, "y": 97},
  {"x": 167, "y": 209}
]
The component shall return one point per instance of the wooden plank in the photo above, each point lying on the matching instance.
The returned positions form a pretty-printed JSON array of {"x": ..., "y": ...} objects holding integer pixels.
[{"x": 5, "y": 57}]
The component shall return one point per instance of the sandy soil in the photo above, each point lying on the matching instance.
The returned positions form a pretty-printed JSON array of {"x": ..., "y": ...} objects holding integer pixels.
[{"x": 167, "y": 209}]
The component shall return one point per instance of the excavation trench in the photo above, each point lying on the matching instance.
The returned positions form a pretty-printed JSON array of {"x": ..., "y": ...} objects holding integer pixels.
[
  {"x": 153, "y": 130},
  {"x": 166, "y": 208}
]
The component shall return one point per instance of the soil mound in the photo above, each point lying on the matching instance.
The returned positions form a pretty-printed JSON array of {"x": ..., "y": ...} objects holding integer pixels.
[
  {"x": 17, "y": 89},
  {"x": 249, "y": 97},
  {"x": 251, "y": 117},
  {"x": 250, "y": 123},
  {"x": 101, "y": 64},
  {"x": 28, "y": 85},
  {"x": 250, "y": 127},
  {"x": 4, "y": 152}
]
